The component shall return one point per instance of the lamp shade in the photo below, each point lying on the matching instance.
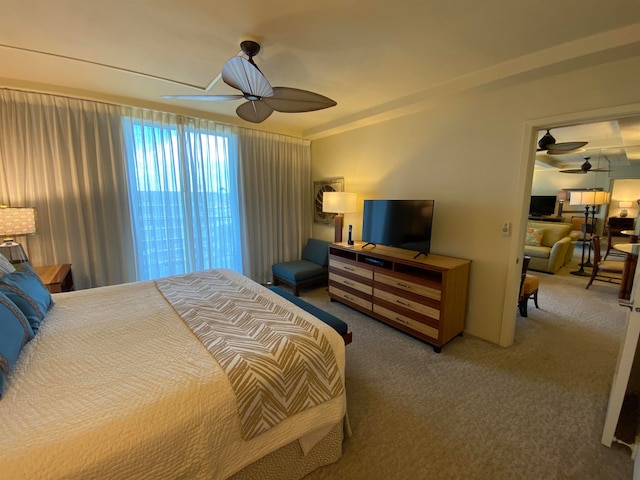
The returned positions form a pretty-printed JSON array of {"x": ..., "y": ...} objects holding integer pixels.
[
  {"x": 338, "y": 202},
  {"x": 17, "y": 221},
  {"x": 625, "y": 204},
  {"x": 589, "y": 197}
]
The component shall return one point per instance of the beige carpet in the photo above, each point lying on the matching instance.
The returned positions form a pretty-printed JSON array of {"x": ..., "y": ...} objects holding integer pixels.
[{"x": 479, "y": 411}]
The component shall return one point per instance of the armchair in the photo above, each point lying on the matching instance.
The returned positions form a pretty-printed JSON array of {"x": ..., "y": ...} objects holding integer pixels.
[
  {"x": 549, "y": 244},
  {"x": 312, "y": 269}
]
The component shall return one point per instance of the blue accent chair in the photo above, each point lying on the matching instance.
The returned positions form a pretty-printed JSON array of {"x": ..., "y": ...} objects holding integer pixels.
[{"x": 312, "y": 269}]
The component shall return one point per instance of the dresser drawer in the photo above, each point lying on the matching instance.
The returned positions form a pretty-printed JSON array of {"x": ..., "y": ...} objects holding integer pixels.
[
  {"x": 420, "y": 308},
  {"x": 429, "y": 292},
  {"x": 334, "y": 277},
  {"x": 406, "y": 321},
  {"x": 362, "y": 302},
  {"x": 347, "y": 267}
]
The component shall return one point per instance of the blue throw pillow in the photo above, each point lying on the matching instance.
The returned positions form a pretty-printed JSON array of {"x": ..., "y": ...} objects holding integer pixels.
[
  {"x": 15, "y": 331},
  {"x": 28, "y": 293}
]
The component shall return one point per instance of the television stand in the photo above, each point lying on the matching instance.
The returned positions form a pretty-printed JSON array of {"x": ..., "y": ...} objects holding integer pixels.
[
  {"x": 425, "y": 297},
  {"x": 546, "y": 218}
]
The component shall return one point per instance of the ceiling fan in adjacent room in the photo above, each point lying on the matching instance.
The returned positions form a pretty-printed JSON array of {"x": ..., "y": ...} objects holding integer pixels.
[
  {"x": 548, "y": 144},
  {"x": 262, "y": 99},
  {"x": 586, "y": 167}
]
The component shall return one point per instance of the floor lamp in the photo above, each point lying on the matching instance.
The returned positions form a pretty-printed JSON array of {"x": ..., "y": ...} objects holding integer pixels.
[
  {"x": 14, "y": 222},
  {"x": 338, "y": 203},
  {"x": 589, "y": 198}
]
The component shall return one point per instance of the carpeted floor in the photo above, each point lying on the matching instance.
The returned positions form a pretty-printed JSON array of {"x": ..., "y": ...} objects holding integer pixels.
[{"x": 480, "y": 411}]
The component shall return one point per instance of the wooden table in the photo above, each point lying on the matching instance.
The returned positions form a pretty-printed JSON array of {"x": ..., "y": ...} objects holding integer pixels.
[{"x": 57, "y": 278}]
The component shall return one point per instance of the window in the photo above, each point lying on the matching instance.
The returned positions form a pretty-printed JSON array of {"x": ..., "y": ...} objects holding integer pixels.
[{"x": 184, "y": 198}]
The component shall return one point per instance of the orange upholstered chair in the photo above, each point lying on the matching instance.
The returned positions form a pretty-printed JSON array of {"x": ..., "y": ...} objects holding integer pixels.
[{"x": 528, "y": 288}]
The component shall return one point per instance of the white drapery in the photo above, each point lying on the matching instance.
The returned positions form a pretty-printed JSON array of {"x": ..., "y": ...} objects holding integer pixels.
[
  {"x": 183, "y": 194},
  {"x": 64, "y": 156},
  {"x": 67, "y": 157},
  {"x": 276, "y": 194}
]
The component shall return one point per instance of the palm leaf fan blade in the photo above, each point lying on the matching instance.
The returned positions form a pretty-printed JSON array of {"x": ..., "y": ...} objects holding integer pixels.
[
  {"x": 213, "y": 98},
  {"x": 239, "y": 73},
  {"x": 254, "y": 112},
  {"x": 294, "y": 100}
]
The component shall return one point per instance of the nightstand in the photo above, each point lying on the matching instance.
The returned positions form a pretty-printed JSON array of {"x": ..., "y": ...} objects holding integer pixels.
[{"x": 57, "y": 278}]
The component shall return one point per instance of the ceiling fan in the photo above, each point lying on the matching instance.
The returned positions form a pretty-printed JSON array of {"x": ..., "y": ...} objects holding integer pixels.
[
  {"x": 585, "y": 168},
  {"x": 548, "y": 143},
  {"x": 262, "y": 98}
]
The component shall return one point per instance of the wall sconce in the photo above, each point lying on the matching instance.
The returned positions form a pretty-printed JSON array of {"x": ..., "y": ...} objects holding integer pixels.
[
  {"x": 338, "y": 203},
  {"x": 624, "y": 205},
  {"x": 14, "y": 222}
]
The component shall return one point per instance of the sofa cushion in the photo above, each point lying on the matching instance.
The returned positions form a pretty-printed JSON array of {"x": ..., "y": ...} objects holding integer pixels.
[{"x": 537, "y": 252}]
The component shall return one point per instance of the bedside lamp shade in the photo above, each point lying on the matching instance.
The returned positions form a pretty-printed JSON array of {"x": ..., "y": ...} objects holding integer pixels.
[
  {"x": 623, "y": 207},
  {"x": 339, "y": 203},
  {"x": 14, "y": 222}
]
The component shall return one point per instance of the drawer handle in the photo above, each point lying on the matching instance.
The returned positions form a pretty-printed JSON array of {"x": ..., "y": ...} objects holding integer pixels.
[
  {"x": 404, "y": 322},
  {"x": 403, "y": 285},
  {"x": 347, "y": 282},
  {"x": 404, "y": 304},
  {"x": 351, "y": 269},
  {"x": 348, "y": 297}
]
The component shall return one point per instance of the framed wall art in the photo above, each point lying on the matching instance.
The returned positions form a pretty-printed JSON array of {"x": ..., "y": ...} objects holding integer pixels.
[{"x": 319, "y": 187}]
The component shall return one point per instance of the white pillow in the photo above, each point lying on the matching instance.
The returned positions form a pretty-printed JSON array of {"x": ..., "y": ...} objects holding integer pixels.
[{"x": 5, "y": 266}]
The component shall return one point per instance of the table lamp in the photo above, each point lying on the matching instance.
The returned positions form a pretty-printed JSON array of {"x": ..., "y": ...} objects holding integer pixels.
[
  {"x": 338, "y": 203},
  {"x": 14, "y": 222},
  {"x": 623, "y": 206}
]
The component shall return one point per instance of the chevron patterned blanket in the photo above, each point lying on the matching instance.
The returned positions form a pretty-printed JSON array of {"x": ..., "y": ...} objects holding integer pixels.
[{"x": 278, "y": 363}]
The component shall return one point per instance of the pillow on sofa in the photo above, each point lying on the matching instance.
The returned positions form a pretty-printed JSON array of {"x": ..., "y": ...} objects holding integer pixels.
[{"x": 534, "y": 237}]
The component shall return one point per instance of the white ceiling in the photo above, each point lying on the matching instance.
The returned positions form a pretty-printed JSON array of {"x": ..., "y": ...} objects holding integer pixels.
[
  {"x": 610, "y": 145},
  {"x": 376, "y": 58}
]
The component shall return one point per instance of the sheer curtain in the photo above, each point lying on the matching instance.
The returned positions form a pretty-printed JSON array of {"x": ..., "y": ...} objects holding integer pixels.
[
  {"x": 276, "y": 196},
  {"x": 183, "y": 189},
  {"x": 63, "y": 156},
  {"x": 88, "y": 168}
]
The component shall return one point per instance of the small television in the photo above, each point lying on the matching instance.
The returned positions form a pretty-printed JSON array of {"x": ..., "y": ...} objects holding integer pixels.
[
  {"x": 398, "y": 223},
  {"x": 542, "y": 205}
]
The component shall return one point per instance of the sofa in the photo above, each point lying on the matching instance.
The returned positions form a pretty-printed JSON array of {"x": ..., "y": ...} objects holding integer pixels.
[{"x": 549, "y": 244}]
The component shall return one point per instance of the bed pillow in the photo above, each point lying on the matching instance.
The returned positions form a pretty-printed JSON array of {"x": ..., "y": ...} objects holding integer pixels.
[
  {"x": 28, "y": 293},
  {"x": 5, "y": 266},
  {"x": 15, "y": 332}
]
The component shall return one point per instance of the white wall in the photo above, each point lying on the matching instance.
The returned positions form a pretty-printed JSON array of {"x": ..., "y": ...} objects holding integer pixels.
[{"x": 472, "y": 154}]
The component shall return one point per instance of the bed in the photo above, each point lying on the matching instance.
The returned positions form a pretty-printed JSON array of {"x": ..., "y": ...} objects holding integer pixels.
[{"x": 136, "y": 381}]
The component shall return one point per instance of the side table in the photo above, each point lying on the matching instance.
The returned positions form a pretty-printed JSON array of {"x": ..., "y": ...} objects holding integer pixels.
[{"x": 57, "y": 278}]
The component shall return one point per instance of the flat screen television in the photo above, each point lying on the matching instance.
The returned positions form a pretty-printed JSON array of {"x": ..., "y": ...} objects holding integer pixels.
[
  {"x": 542, "y": 205},
  {"x": 398, "y": 223}
]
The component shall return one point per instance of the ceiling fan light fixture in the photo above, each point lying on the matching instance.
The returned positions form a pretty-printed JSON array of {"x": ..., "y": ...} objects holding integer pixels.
[
  {"x": 546, "y": 140},
  {"x": 244, "y": 75}
]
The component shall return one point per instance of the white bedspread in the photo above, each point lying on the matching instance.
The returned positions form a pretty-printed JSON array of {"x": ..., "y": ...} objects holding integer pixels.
[{"x": 115, "y": 385}]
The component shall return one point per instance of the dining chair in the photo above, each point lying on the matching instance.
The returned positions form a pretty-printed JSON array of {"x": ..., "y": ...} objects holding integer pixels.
[
  {"x": 529, "y": 285},
  {"x": 610, "y": 271}
]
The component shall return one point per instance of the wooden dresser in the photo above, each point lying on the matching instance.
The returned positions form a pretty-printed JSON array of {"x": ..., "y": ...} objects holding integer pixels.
[{"x": 425, "y": 296}]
